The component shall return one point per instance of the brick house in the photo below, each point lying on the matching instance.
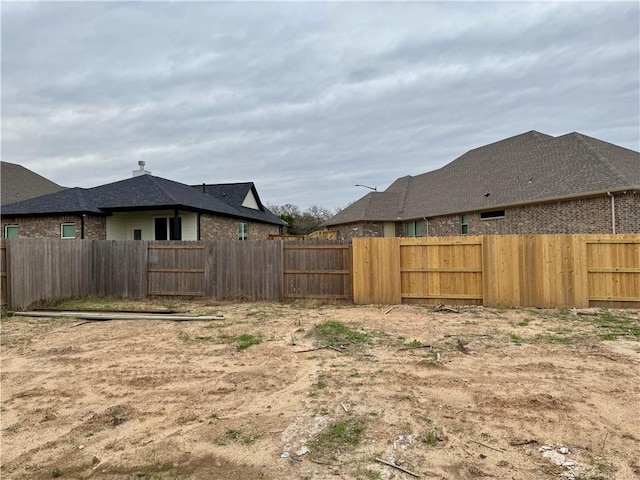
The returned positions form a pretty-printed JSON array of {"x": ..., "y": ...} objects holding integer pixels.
[
  {"x": 144, "y": 207},
  {"x": 19, "y": 183},
  {"x": 528, "y": 184}
]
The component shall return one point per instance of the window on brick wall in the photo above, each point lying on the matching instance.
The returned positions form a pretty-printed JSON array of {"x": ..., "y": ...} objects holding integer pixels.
[
  {"x": 11, "y": 231},
  {"x": 492, "y": 214},
  {"x": 243, "y": 231},
  {"x": 68, "y": 230},
  {"x": 413, "y": 228},
  {"x": 464, "y": 224}
]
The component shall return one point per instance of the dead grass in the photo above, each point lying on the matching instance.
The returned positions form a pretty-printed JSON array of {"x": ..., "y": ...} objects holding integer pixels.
[{"x": 442, "y": 394}]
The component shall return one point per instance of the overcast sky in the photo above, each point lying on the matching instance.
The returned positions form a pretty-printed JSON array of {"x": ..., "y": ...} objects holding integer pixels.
[{"x": 305, "y": 99}]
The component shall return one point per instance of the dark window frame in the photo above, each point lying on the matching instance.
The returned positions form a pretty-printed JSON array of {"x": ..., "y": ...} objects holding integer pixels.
[{"x": 492, "y": 214}]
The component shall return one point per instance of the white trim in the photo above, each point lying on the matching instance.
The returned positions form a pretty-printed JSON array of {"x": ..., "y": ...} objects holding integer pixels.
[
  {"x": 66, "y": 224},
  {"x": 11, "y": 226}
]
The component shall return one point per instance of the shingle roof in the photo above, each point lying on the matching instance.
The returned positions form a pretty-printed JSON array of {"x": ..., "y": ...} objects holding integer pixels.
[
  {"x": 19, "y": 183},
  {"x": 528, "y": 168},
  {"x": 235, "y": 194},
  {"x": 144, "y": 192}
]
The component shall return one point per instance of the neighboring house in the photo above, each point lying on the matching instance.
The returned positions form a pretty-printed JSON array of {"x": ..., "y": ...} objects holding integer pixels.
[
  {"x": 19, "y": 183},
  {"x": 528, "y": 184},
  {"x": 144, "y": 207}
]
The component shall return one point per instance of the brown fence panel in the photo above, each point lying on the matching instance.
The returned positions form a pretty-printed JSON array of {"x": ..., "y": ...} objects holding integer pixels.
[
  {"x": 43, "y": 269},
  {"x": 250, "y": 270},
  {"x": 376, "y": 270},
  {"x": 119, "y": 268},
  {"x": 317, "y": 269},
  {"x": 175, "y": 268},
  {"x": 614, "y": 272},
  {"x": 441, "y": 270},
  {"x": 547, "y": 271}
]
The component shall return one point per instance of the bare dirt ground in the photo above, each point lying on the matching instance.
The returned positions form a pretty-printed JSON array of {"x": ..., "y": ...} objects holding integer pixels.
[{"x": 496, "y": 394}]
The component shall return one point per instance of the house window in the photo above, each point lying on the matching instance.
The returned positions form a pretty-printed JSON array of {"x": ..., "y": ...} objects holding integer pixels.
[
  {"x": 68, "y": 230},
  {"x": 464, "y": 224},
  {"x": 413, "y": 229},
  {"x": 243, "y": 231},
  {"x": 11, "y": 231},
  {"x": 164, "y": 228},
  {"x": 137, "y": 234},
  {"x": 492, "y": 214}
]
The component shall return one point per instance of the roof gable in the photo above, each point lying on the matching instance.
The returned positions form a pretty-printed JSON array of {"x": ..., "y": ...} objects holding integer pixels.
[
  {"x": 19, "y": 183},
  {"x": 527, "y": 168},
  {"x": 144, "y": 192}
]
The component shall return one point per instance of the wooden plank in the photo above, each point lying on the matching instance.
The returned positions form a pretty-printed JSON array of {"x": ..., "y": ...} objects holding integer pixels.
[
  {"x": 316, "y": 272},
  {"x": 175, "y": 270},
  {"x": 612, "y": 241},
  {"x": 441, "y": 270},
  {"x": 376, "y": 270},
  {"x": 613, "y": 270},
  {"x": 316, "y": 247},
  {"x": 337, "y": 297},
  {"x": 616, "y": 299},
  {"x": 176, "y": 247},
  {"x": 450, "y": 295},
  {"x": 176, "y": 294}
]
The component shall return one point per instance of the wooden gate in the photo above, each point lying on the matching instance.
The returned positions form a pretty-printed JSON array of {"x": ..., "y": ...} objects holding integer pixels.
[
  {"x": 441, "y": 271},
  {"x": 175, "y": 269},
  {"x": 317, "y": 270},
  {"x": 613, "y": 270}
]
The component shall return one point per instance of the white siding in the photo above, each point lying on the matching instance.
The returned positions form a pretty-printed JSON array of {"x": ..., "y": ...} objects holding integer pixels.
[
  {"x": 120, "y": 226},
  {"x": 250, "y": 201}
]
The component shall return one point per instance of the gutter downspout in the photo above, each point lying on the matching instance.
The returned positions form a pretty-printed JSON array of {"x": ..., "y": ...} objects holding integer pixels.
[
  {"x": 82, "y": 226},
  {"x": 613, "y": 213}
]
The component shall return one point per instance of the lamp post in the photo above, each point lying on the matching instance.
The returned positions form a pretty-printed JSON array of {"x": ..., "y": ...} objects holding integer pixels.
[{"x": 375, "y": 189}]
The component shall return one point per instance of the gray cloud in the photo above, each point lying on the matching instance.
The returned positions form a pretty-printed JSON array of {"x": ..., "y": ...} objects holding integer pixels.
[{"x": 306, "y": 100}]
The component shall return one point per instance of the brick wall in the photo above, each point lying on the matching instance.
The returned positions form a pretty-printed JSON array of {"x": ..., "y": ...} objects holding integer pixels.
[
  {"x": 223, "y": 228},
  {"x": 362, "y": 229},
  {"x": 95, "y": 227},
  {"x": 584, "y": 215},
  {"x": 628, "y": 212}
]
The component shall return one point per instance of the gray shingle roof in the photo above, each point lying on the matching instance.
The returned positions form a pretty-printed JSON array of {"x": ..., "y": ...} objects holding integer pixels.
[
  {"x": 145, "y": 192},
  {"x": 19, "y": 183},
  {"x": 527, "y": 168}
]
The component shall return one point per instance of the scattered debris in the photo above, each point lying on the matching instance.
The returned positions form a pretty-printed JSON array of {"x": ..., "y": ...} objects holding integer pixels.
[
  {"x": 563, "y": 450},
  {"x": 408, "y": 472},
  {"x": 320, "y": 348},
  {"x": 487, "y": 446},
  {"x": 104, "y": 316},
  {"x": 425, "y": 345},
  {"x": 592, "y": 312},
  {"x": 285, "y": 455},
  {"x": 389, "y": 309},
  {"x": 462, "y": 346},
  {"x": 516, "y": 443},
  {"x": 441, "y": 307},
  {"x": 303, "y": 450},
  {"x": 344, "y": 407}
]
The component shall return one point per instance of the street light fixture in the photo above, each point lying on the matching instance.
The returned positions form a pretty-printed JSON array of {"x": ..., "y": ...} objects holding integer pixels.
[{"x": 375, "y": 189}]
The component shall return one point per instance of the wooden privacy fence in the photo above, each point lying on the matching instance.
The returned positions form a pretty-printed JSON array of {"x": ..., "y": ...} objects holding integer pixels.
[
  {"x": 317, "y": 270},
  {"x": 548, "y": 271},
  {"x": 44, "y": 269}
]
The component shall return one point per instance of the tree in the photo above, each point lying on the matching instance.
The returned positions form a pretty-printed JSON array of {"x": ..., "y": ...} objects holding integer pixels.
[{"x": 301, "y": 223}]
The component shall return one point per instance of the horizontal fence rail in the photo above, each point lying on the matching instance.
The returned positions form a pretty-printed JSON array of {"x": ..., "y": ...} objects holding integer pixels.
[{"x": 547, "y": 271}]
